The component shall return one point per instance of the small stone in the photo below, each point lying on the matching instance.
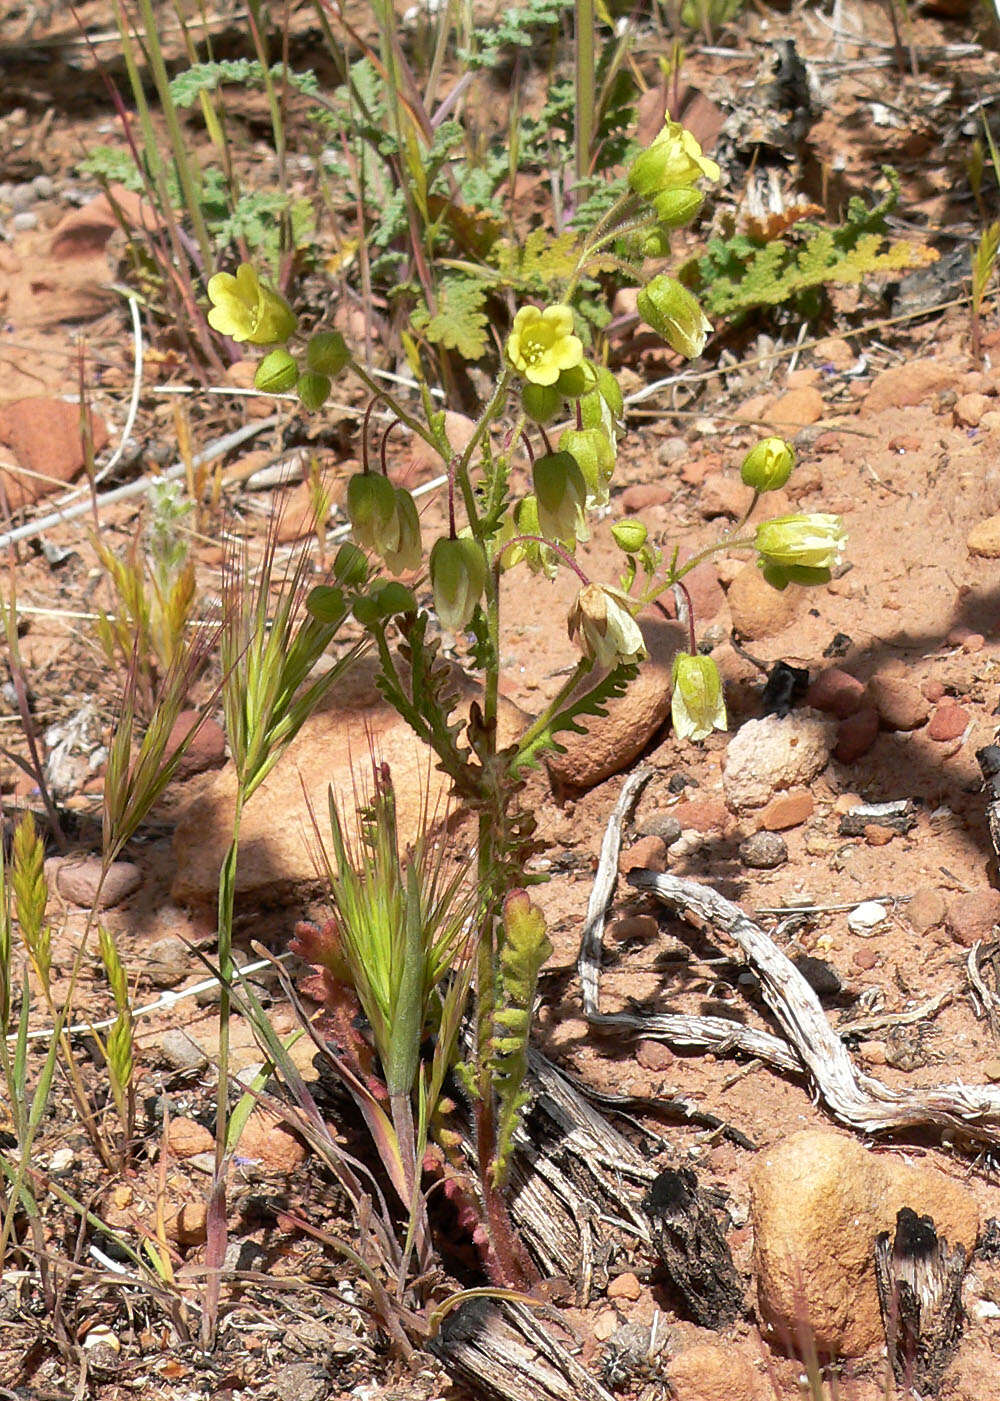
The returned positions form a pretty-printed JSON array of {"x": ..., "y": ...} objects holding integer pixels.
[
  {"x": 722, "y": 495},
  {"x": 25, "y": 221},
  {"x": 640, "y": 927},
  {"x": 865, "y": 959},
  {"x": 709, "y": 1372},
  {"x": 757, "y": 609},
  {"x": 649, "y": 853},
  {"x": 984, "y": 538},
  {"x": 671, "y": 450},
  {"x": 878, "y": 836},
  {"x": 641, "y": 496},
  {"x": 206, "y": 751},
  {"x": 663, "y": 825},
  {"x": 836, "y": 353},
  {"x": 180, "y": 1052},
  {"x": 991, "y": 1070},
  {"x": 269, "y": 1142},
  {"x": 186, "y": 1138},
  {"x": 44, "y": 186},
  {"x": 905, "y": 386},
  {"x": 775, "y": 753},
  {"x": 625, "y": 1286},
  {"x": 654, "y": 1055},
  {"x": 61, "y": 1162},
  {"x": 188, "y": 1225},
  {"x": 605, "y": 1325},
  {"x": 969, "y": 409},
  {"x": 702, "y": 815},
  {"x": 966, "y": 638},
  {"x": 787, "y": 810},
  {"x": 932, "y": 689},
  {"x": 763, "y": 851},
  {"x": 898, "y": 701},
  {"x": 836, "y": 693},
  {"x": 856, "y": 735},
  {"x": 973, "y": 917},
  {"x": 949, "y": 721},
  {"x": 23, "y": 197},
  {"x": 926, "y": 910},
  {"x": 866, "y": 917},
  {"x": 167, "y": 961},
  {"x": 797, "y": 409},
  {"x": 78, "y": 881}
]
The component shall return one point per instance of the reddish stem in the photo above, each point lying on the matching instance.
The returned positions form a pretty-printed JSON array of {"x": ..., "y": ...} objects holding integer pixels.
[
  {"x": 679, "y": 584},
  {"x": 564, "y": 555},
  {"x": 381, "y": 448}
]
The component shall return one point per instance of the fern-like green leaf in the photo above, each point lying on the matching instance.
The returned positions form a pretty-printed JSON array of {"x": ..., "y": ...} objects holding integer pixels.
[
  {"x": 590, "y": 702},
  {"x": 460, "y": 322}
]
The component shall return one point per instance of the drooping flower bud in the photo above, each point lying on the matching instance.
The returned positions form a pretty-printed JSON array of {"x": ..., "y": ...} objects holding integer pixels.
[
  {"x": 408, "y": 552},
  {"x": 327, "y": 353},
  {"x": 277, "y": 372},
  {"x": 314, "y": 390},
  {"x": 674, "y": 159},
  {"x": 603, "y": 628},
  {"x": 768, "y": 464},
  {"x": 371, "y": 509},
  {"x": 675, "y": 208},
  {"x": 595, "y": 457},
  {"x": 561, "y": 493},
  {"x": 542, "y": 345},
  {"x": 674, "y": 313},
  {"x": 697, "y": 705},
  {"x": 245, "y": 310},
  {"x": 630, "y": 535},
  {"x": 800, "y": 549},
  {"x": 458, "y": 577}
]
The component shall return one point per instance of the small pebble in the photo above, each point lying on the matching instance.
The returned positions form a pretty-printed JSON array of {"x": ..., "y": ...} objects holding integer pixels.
[
  {"x": 991, "y": 1070},
  {"x": 649, "y": 853},
  {"x": 642, "y": 927},
  {"x": 866, "y": 917},
  {"x": 186, "y": 1138},
  {"x": 625, "y": 1286},
  {"x": 974, "y": 916},
  {"x": 949, "y": 721},
  {"x": 24, "y": 221},
  {"x": 167, "y": 961},
  {"x": 61, "y": 1162},
  {"x": 865, "y": 959},
  {"x": 44, "y": 186},
  {"x": 787, "y": 810},
  {"x": 663, "y": 825},
  {"x": 180, "y": 1052},
  {"x": 22, "y": 197},
  {"x": 763, "y": 851},
  {"x": 926, "y": 910},
  {"x": 77, "y": 882},
  {"x": 654, "y": 1055},
  {"x": 878, "y": 836}
]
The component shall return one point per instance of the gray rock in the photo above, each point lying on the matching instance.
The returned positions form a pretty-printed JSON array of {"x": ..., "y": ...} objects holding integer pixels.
[
  {"x": 44, "y": 186},
  {"x": 180, "y": 1052},
  {"x": 24, "y": 221},
  {"x": 22, "y": 197},
  {"x": 77, "y": 881},
  {"x": 777, "y": 752},
  {"x": 168, "y": 962},
  {"x": 763, "y": 851},
  {"x": 662, "y": 825}
]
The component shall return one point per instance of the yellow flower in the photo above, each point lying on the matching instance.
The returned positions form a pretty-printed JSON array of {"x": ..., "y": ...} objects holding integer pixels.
[
  {"x": 247, "y": 311},
  {"x": 671, "y": 162},
  {"x": 603, "y": 628},
  {"x": 542, "y": 344},
  {"x": 697, "y": 706},
  {"x": 811, "y": 543}
]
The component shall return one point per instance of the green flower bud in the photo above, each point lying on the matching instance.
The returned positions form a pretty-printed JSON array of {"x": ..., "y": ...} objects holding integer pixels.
[
  {"x": 675, "y": 208},
  {"x": 674, "y": 313},
  {"x": 814, "y": 543},
  {"x": 630, "y": 535},
  {"x": 672, "y": 161},
  {"x": 595, "y": 457},
  {"x": 314, "y": 390},
  {"x": 371, "y": 509},
  {"x": 392, "y": 598},
  {"x": 409, "y": 550},
  {"x": 768, "y": 464},
  {"x": 326, "y": 604},
  {"x": 350, "y": 566},
  {"x": 602, "y": 626},
  {"x": 277, "y": 372},
  {"x": 697, "y": 705},
  {"x": 541, "y": 402},
  {"x": 561, "y": 493},
  {"x": 458, "y": 577},
  {"x": 655, "y": 243},
  {"x": 579, "y": 380},
  {"x": 367, "y": 611},
  {"x": 327, "y": 353}
]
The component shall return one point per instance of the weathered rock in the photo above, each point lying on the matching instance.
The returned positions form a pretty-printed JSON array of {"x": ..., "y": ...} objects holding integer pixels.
[
  {"x": 797, "y": 409},
  {"x": 661, "y": 824},
  {"x": 180, "y": 1052},
  {"x": 787, "y": 810},
  {"x": 763, "y": 851},
  {"x": 926, "y": 910},
  {"x": 271, "y": 1143},
  {"x": 649, "y": 853},
  {"x": 332, "y": 748},
  {"x": 836, "y": 693},
  {"x": 167, "y": 961},
  {"x": 723, "y": 495},
  {"x": 774, "y": 753},
  {"x": 708, "y": 1372},
  {"x": 44, "y": 437},
  {"x": 625, "y": 1286},
  {"x": 642, "y": 496},
  {"x": 757, "y": 609},
  {"x": 654, "y": 1055},
  {"x": 206, "y": 751},
  {"x": 949, "y": 721},
  {"x": 817, "y": 1202},
  {"x": 77, "y": 882},
  {"x": 856, "y": 735},
  {"x": 969, "y": 409},
  {"x": 186, "y": 1138},
  {"x": 188, "y": 1225},
  {"x": 612, "y": 742},
  {"x": 904, "y": 386},
  {"x": 973, "y": 916},
  {"x": 899, "y": 702},
  {"x": 984, "y": 538}
]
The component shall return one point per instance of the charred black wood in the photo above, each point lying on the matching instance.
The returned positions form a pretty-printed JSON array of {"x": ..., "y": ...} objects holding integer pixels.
[
  {"x": 919, "y": 1285},
  {"x": 989, "y": 764},
  {"x": 900, "y": 816},
  {"x": 696, "y": 1259},
  {"x": 786, "y": 684}
]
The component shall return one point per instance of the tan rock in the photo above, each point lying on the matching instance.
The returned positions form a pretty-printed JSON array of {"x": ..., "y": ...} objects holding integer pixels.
[
  {"x": 332, "y": 749},
  {"x": 271, "y": 1143},
  {"x": 613, "y": 741},
  {"x": 899, "y": 701},
  {"x": 43, "y": 436},
  {"x": 926, "y": 910},
  {"x": 757, "y": 609},
  {"x": 817, "y": 1202},
  {"x": 904, "y": 386},
  {"x": 625, "y": 1286},
  {"x": 186, "y": 1138},
  {"x": 707, "y": 1372},
  {"x": 188, "y": 1225},
  {"x": 797, "y": 409},
  {"x": 969, "y": 409},
  {"x": 984, "y": 538},
  {"x": 787, "y": 810},
  {"x": 774, "y": 753}
]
